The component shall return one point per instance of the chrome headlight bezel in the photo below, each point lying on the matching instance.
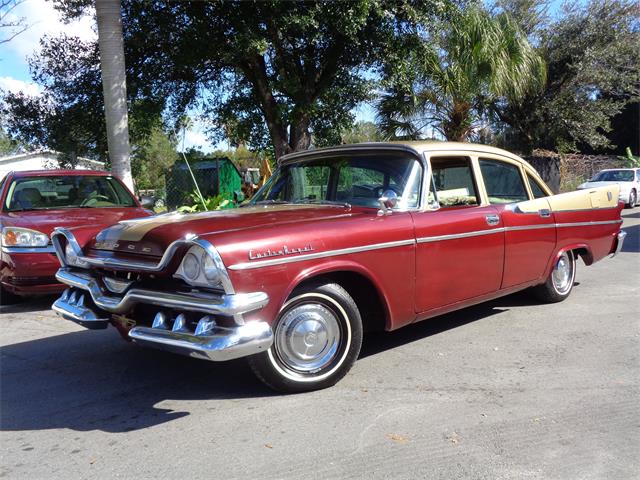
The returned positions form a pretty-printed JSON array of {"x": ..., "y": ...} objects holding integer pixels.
[
  {"x": 208, "y": 272},
  {"x": 71, "y": 257},
  {"x": 28, "y": 238}
]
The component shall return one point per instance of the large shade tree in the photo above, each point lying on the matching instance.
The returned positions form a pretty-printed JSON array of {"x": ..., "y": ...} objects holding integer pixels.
[
  {"x": 592, "y": 55},
  {"x": 448, "y": 80},
  {"x": 271, "y": 74}
]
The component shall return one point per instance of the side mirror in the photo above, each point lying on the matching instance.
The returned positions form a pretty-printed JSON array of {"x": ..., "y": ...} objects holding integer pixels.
[{"x": 388, "y": 200}]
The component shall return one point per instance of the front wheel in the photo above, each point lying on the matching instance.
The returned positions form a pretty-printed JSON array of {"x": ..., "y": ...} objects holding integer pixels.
[
  {"x": 317, "y": 339},
  {"x": 560, "y": 282},
  {"x": 633, "y": 198}
]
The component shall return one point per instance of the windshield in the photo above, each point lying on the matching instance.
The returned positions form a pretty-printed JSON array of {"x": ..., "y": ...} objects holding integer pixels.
[
  {"x": 614, "y": 176},
  {"x": 354, "y": 179},
  {"x": 73, "y": 191}
]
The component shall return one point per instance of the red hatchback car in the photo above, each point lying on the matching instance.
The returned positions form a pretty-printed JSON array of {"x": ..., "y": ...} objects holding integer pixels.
[{"x": 33, "y": 203}]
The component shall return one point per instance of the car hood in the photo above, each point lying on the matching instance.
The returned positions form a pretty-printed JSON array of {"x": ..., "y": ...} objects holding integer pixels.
[
  {"x": 46, "y": 220},
  {"x": 151, "y": 236}
]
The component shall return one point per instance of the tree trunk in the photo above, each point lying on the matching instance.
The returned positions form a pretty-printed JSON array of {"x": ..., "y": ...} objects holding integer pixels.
[{"x": 114, "y": 87}]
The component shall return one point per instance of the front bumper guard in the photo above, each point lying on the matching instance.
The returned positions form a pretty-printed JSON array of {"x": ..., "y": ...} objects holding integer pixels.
[{"x": 216, "y": 344}]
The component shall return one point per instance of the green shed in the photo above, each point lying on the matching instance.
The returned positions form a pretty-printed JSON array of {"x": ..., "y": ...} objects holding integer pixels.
[{"x": 215, "y": 176}]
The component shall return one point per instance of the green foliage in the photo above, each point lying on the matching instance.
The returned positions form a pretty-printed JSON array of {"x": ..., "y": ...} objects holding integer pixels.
[
  {"x": 208, "y": 204},
  {"x": 633, "y": 161},
  {"x": 68, "y": 116},
  {"x": 361, "y": 132},
  {"x": 153, "y": 158},
  {"x": 450, "y": 78},
  {"x": 592, "y": 55}
]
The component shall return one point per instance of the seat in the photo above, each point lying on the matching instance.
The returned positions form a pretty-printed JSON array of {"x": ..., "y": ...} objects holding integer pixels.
[{"x": 29, "y": 198}]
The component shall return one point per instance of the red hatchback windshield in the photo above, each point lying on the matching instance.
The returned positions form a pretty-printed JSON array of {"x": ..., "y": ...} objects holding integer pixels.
[{"x": 72, "y": 191}]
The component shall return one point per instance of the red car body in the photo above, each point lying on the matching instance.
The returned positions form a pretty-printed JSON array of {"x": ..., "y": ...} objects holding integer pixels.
[
  {"x": 398, "y": 266},
  {"x": 31, "y": 271}
]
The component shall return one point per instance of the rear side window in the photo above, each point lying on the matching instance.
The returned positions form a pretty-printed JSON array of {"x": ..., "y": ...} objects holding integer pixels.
[
  {"x": 453, "y": 182},
  {"x": 537, "y": 190},
  {"x": 503, "y": 181}
]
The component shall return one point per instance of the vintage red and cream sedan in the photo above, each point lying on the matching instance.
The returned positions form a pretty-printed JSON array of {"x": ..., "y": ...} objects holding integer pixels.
[
  {"x": 33, "y": 203},
  {"x": 338, "y": 241}
]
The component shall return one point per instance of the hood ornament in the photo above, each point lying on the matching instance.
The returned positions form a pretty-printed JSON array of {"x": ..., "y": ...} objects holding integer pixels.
[{"x": 256, "y": 255}]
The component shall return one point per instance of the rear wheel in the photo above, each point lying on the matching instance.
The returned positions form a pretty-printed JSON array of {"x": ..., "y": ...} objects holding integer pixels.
[
  {"x": 317, "y": 339},
  {"x": 560, "y": 282}
]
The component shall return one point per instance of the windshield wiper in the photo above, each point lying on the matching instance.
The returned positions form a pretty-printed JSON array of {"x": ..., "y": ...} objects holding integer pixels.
[{"x": 316, "y": 201}]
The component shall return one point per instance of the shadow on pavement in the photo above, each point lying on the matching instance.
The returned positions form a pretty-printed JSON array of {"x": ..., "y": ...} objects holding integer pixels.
[
  {"x": 378, "y": 342},
  {"x": 632, "y": 242},
  {"x": 95, "y": 381},
  {"x": 29, "y": 304}
]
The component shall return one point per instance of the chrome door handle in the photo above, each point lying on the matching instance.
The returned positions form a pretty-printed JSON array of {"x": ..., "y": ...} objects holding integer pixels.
[
  {"x": 493, "y": 220},
  {"x": 544, "y": 212}
]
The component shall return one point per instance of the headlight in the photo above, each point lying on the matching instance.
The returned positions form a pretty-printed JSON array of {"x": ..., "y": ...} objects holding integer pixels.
[
  {"x": 198, "y": 268},
  {"x": 23, "y": 237},
  {"x": 191, "y": 266}
]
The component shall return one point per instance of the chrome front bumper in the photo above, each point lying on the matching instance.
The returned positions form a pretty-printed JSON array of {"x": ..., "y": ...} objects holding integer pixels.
[
  {"x": 620, "y": 241},
  {"x": 216, "y": 304},
  {"x": 86, "y": 304}
]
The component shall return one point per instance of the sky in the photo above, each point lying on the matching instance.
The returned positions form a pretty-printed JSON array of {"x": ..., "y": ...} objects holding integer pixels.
[{"x": 43, "y": 20}]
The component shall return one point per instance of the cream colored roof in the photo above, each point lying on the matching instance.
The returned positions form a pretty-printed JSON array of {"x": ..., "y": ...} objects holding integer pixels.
[{"x": 419, "y": 146}]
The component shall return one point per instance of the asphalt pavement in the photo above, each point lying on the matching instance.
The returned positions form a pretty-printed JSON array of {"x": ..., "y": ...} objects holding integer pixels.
[{"x": 505, "y": 390}]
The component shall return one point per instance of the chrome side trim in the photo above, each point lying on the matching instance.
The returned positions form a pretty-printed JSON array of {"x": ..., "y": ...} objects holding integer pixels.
[
  {"x": 312, "y": 256},
  {"x": 217, "y": 304},
  {"x": 47, "y": 249},
  {"x": 215, "y": 344},
  {"x": 529, "y": 227},
  {"x": 587, "y": 224},
  {"x": 455, "y": 236}
]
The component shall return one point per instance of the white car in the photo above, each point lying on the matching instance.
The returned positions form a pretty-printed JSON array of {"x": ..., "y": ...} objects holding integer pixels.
[{"x": 627, "y": 178}]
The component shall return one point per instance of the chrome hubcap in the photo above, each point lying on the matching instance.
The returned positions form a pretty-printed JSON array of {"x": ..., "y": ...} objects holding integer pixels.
[
  {"x": 562, "y": 274},
  {"x": 307, "y": 337}
]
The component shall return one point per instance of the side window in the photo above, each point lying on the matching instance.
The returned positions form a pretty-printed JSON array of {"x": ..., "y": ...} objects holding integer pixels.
[
  {"x": 453, "y": 182},
  {"x": 637, "y": 177},
  {"x": 537, "y": 190},
  {"x": 503, "y": 181}
]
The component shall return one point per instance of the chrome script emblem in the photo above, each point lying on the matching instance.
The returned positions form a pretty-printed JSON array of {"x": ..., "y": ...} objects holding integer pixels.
[
  {"x": 116, "y": 285},
  {"x": 255, "y": 255}
]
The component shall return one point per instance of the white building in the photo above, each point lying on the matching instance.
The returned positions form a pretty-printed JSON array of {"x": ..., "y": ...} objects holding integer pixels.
[{"x": 41, "y": 160}]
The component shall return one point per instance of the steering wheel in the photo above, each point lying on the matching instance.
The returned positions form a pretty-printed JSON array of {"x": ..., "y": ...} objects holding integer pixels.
[{"x": 93, "y": 199}]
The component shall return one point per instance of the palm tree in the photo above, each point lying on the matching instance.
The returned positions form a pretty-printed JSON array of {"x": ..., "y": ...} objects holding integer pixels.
[
  {"x": 449, "y": 83},
  {"x": 114, "y": 87}
]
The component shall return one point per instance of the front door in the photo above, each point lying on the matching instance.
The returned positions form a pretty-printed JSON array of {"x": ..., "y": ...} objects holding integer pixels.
[{"x": 460, "y": 246}]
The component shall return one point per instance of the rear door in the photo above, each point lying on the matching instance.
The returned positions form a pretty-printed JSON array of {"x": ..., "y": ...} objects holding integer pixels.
[{"x": 529, "y": 224}]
